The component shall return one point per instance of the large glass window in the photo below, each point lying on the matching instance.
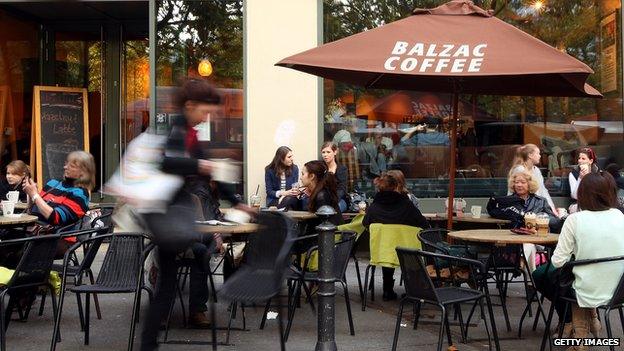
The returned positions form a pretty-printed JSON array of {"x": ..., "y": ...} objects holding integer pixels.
[
  {"x": 376, "y": 129},
  {"x": 203, "y": 40}
]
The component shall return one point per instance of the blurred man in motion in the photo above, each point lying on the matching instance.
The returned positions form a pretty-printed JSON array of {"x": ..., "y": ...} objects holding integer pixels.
[{"x": 174, "y": 231}]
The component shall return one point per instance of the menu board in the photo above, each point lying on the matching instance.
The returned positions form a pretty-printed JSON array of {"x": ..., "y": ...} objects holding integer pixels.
[{"x": 61, "y": 122}]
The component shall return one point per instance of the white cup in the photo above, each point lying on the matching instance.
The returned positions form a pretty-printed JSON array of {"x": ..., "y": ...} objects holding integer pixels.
[
  {"x": 8, "y": 207},
  {"x": 475, "y": 211},
  {"x": 13, "y": 196}
]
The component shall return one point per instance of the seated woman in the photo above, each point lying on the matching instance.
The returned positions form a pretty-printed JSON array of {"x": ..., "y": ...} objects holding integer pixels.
[
  {"x": 594, "y": 232},
  {"x": 63, "y": 202},
  {"x": 391, "y": 206},
  {"x": 320, "y": 190},
  {"x": 586, "y": 163},
  {"x": 402, "y": 187},
  {"x": 16, "y": 171},
  {"x": 279, "y": 177},
  {"x": 329, "y": 151}
]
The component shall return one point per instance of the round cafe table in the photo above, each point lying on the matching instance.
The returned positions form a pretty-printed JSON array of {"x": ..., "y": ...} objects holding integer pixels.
[
  {"x": 467, "y": 218},
  {"x": 298, "y": 216},
  {"x": 17, "y": 220},
  {"x": 502, "y": 237},
  {"x": 228, "y": 229}
]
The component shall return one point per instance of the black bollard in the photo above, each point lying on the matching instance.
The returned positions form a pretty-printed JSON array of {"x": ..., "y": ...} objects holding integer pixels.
[{"x": 326, "y": 339}]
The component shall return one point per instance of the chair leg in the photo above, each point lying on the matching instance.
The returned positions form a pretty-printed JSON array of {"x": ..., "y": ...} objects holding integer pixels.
[
  {"x": 527, "y": 309},
  {"x": 96, "y": 302},
  {"x": 608, "y": 325},
  {"x": 416, "y": 314},
  {"x": 540, "y": 311},
  {"x": 359, "y": 278},
  {"x": 462, "y": 328},
  {"x": 42, "y": 304},
  {"x": 442, "y": 323},
  {"x": 87, "y": 313},
  {"x": 3, "y": 321},
  {"x": 483, "y": 316},
  {"x": 264, "y": 314},
  {"x": 397, "y": 327},
  {"x": 56, "y": 336},
  {"x": 621, "y": 309},
  {"x": 547, "y": 326},
  {"x": 280, "y": 322},
  {"x": 213, "y": 290},
  {"x": 348, "y": 303},
  {"x": 166, "y": 336},
  {"x": 213, "y": 320},
  {"x": 80, "y": 311},
  {"x": 448, "y": 330},
  {"x": 233, "y": 307},
  {"x": 136, "y": 306},
  {"x": 292, "y": 306},
  {"x": 366, "y": 288},
  {"x": 372, "y": 280}
]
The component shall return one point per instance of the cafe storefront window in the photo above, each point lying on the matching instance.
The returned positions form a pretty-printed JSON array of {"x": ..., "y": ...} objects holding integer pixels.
[
  {"x": 377, "y": 130},
  {"x": 203, "y": 40}
]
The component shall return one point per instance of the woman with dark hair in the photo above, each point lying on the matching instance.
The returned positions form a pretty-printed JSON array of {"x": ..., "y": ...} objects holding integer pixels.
[
  {"x": 329, "y": 151},
  {"x": 586, "y": 163},
  {"x": 16, "y": 172},
  {"x": 391, "y": 206},
  {"x": 593, "y": 232},
  {"x": 320, "y": 190},
  {"x": 279, "y": 177}
]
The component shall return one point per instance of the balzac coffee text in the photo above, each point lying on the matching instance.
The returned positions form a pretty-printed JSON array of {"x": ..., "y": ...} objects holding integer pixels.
[{"x": 435, "y": 58}]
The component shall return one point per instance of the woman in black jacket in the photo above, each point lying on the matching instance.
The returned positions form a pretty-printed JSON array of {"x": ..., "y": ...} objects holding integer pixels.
[
  {"x": 329, "y": 151},
  {"x": 320, "y": 190},
  {"x": 392, "y": 206}
]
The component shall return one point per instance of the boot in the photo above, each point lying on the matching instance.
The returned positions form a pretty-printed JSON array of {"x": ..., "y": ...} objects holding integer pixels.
[
  {"x": 594, "y": 325},
  {"x": 580, "y": 323},
  {"x": 388, "y": 290}
]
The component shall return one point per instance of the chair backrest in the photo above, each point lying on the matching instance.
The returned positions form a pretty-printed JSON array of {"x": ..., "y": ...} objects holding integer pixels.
[
  {"x": 355, "y": 225},
  {"x": 92, "y": 247},
  {"x": 342, "y": 252},
  {"x": 197, "y": 204},
  {"x": 270, "y": 247},
  {"x": 34, "y": 266},
  {"x": 385, "y": 238},
  {"x": 418, "y": 284},
  {"x": 122, "y": 262},
  {"x": 618, "y": 294},
  {"x": 430, "y": 238}
]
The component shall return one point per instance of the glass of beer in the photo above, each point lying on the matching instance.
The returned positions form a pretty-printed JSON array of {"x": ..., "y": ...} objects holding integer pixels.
[{"x": 542, "y": 224}]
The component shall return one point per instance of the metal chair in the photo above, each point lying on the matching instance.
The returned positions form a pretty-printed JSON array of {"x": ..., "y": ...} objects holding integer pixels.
[
  {"x": 616, "y": 303},
  {"x": 32, "y": 271},
  {"x": 342, "y": 254},
  {"x": 420, "y": 289},
  {"x": 262, "y": 272},
  {"x": 121, "y": 272}
]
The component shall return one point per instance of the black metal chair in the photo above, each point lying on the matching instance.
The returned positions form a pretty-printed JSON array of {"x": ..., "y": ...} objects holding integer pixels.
[
  {"x": 564, "y": 284},
  {"x": 342, "y": 254},
  {"x": 79, "y": 269},
  {"x": 32, "y": 271},
  {"x": 420, "y": 289},
  {"x": 121, "y": 272},
  {"x": 262, "y": 272}
]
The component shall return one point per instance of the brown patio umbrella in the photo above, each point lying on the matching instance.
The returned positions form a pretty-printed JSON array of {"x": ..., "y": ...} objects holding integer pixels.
[{"x": 456, "y": 48}]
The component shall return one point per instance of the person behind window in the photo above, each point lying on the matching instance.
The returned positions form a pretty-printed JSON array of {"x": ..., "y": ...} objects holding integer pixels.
[
  {"x": 391, "y": 206},
  {"x": 526, "y": 159},
  {"x": 320, "y": 190},
  {"x": 586, "y": 163},
  {"x": 593, "y": 232},
  {"x": 329, "y": 151},
  {"x": 16, "y": 172},
  {"x": 279, "y": 177},
  {"x": 63, "y": 202},
  {"x": 348, "y": 156}
]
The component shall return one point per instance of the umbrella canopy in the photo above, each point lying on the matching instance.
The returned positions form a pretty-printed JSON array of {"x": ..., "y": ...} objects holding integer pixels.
[{"x": 456, "y": 47}]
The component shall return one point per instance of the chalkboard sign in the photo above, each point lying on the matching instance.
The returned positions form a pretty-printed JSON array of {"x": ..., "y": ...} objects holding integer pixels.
[{"x": 61, "y": 120}]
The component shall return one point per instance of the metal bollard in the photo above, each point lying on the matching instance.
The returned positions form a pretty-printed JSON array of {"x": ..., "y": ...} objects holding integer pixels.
[{"x": 326, "y": 338}]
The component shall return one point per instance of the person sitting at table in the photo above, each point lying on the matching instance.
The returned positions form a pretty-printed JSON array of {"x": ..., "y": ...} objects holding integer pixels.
[
  {"x": 279, "y": 176},
  {"x": 402, "y": 187},
  {"x": 16, "y": 172},
  {"x": 329, "y": 151},
  {"x": 592, "y": 233},
  {"x": 63, "y": 202},
  {"x": 320, "y": 190},
  {"x": 391, "y": 206},
  {"x": 586, "y": 163},
  {"x": 526, "y": 160}
]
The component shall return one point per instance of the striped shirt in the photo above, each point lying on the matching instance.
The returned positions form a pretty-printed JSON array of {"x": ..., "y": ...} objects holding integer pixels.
[{"x": 69, "y": 203}]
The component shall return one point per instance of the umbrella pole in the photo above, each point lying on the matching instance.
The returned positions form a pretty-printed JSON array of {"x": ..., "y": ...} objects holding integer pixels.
[{"x": 453, "y": 167}]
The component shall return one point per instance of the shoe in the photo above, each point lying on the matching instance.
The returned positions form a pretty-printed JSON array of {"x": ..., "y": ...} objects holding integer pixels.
[
  {"x": 595, "y": 327},
  {"x": 198, "y": 320},
  {"x": 580, "y": 324},
  {"x": 389, "y": 295}
]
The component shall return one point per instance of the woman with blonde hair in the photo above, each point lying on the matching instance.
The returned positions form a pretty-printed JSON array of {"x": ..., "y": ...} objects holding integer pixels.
[
  {"x": 526, "y": 160},
  {"x": 62, "y": 202}
]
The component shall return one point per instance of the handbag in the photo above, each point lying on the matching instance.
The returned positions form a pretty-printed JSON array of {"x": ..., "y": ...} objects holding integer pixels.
[
  {"x": 139, "y": 180},
  {"x": 507, "y": 207}
]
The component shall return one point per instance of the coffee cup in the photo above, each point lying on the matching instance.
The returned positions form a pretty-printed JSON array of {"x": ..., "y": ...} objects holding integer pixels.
[
  {"x": 8, "y": 207},
  {"x": 542, "y": 224},
  {"x": 584, "y": 167},
  {"x": 13, "y": 196},
  {"x": 530, "y": 220},
  {"x": 562, "y": 212},
  {"x": 475, "y": 211}
]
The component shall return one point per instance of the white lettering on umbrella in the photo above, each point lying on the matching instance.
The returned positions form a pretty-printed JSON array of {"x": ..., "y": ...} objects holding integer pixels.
[{"x": 429, "y": 57}]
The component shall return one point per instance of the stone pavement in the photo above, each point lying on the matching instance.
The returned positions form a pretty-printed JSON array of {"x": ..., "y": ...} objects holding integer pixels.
[{"x": 374, "y": 327}]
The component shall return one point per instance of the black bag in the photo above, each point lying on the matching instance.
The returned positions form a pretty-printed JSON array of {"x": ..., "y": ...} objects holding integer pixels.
[{"x": 507, "y": 207}]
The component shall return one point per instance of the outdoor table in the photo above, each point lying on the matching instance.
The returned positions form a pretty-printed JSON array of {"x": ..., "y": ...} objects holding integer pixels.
[
  {"x": 503, "y": 237},
  {"x": 467, "y": 218},
  {"x": 228, "y": 229},
  {"x": 298, "y": 216},
  {"x": 17, "y": 220},
  {"x": 23, "y": 205}
]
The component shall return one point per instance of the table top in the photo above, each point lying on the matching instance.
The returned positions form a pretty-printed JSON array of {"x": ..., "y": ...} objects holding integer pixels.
[
  {"x": 228, "y": 229},
  {"x": 21, "y": 219},
  {"x": 502, "y": 236},
  {"x": 295, "y": 215},
  {"x": 467, "y": 217},
  {"x": 22, "y": 205}
]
